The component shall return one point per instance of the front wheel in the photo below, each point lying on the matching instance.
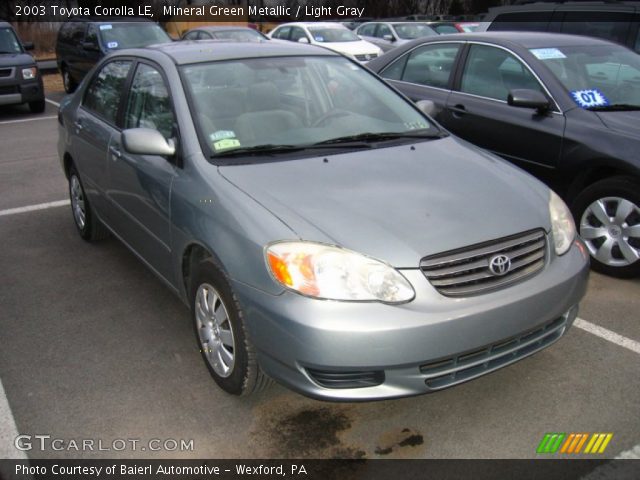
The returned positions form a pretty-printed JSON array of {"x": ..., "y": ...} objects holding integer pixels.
[
  {"x": 607, "y": 214},
  {"x": 221, "y": 333}
]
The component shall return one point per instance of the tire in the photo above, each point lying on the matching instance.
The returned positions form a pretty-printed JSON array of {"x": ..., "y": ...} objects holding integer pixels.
[
  {"x": 89, "y": 227},
  {"x": 37, "y": 106},
  {"x": 607, "y": 215},
  {"x": 68, "y": 82},
  {"x": 221, "y": 333}
]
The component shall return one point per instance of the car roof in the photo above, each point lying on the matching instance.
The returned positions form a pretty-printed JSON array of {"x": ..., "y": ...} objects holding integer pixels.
[
  {"x": 201, "y": 51},
  {"x": 4, "y": 24},
  {"x": 106, "y": 19},
  {"x": 523, "y": 39},
  {"x": 314, "y": 24},
  {"x": 219, "y": 28}
]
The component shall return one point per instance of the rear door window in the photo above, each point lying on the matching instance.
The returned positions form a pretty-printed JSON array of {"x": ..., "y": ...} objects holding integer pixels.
[
  {"x": 430, "y": 65},
  {"x": 106, "y": 89}
]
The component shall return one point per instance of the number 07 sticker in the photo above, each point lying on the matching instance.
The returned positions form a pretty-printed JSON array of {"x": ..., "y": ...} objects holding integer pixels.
[{"x": 589, "y": 98}]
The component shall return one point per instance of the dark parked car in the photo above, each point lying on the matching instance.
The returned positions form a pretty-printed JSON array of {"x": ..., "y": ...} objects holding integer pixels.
[
  {"x": 614, "y": 21},
  {"x": 83, "y": 42},
  {"x": 236, "y": 34},
  {"x": 564, "y": 107},
  {"x": 20, "y": 79}
]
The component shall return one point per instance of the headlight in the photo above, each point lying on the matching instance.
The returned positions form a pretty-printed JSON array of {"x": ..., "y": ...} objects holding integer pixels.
[
  {"x": 29, "y": 73},
  {"x": 564, "y": 229},
  {"x": 333, "y": 273}
]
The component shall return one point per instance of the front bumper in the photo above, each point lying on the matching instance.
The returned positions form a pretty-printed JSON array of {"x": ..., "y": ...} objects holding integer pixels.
[
  {"x": 14, "y": 90},
  {"x": 399, "y": 350}
]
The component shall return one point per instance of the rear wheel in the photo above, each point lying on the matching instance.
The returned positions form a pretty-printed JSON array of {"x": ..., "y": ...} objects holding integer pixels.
[
  {"x": 68, "y": 82},
  {"x": 89, "y": 227},
  {"x": 607, "y": 214},
  {"x": 221, "y": 333},
  {"x": 37, "y": 106}
]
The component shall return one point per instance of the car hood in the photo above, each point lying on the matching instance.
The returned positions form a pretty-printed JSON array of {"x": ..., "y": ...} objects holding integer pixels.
[
  {"x": 352, "y": 48},
  {"x": 15, "y": 59},
  {"x": 398, "y": 204},
  {"x": 624, "y": 122}
]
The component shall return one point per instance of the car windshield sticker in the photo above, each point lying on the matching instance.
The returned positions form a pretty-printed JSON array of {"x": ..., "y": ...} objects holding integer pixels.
[
  {"x": 589, "y": 98},
  {"x": 547, "y": 53},
  {"x": 112, "y": 45},
  {"x": 106, "y": 27},
  {"x": 221, "y": 135},
  {"x": 416, "y": 125},
  {"x": 319, "y": 38},
  {"x": 226, "y": 144}
]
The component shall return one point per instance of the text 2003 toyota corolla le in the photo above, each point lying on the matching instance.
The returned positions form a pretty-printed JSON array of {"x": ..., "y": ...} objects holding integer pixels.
[{"x": 324, "y": 231}]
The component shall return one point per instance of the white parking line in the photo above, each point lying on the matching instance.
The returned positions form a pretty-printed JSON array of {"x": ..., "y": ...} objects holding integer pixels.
[
  {"x": 24, "y": 120},
  {"x": 608, "y": 335},
  {"x": 8, "y": 430},
  {"x": 52, "y": 102},
  {"x": 31, "y": 208}
]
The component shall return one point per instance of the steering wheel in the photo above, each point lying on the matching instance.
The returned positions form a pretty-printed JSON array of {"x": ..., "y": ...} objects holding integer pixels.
[{"x": 333, "y": 113}]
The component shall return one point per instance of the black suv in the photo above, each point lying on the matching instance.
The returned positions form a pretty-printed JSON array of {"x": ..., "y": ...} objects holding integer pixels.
[
  {"x": 82, "y": 42},
  {"x": 617, "y": 22},
  {"x": 20, "y": 80}
]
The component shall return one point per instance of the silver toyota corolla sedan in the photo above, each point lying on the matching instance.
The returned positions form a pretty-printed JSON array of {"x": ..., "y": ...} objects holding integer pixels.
[{"x": 323, "y": 230}]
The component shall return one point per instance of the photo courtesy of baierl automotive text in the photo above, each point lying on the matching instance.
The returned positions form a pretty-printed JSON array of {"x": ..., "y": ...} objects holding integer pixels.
[{"x": 303, "y": 238}]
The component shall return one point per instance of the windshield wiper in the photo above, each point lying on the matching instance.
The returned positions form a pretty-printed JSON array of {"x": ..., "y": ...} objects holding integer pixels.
[
  {"x": 615, "y": 107},
  {"x": 381, "y": 136},
  {"x": 260, "y": 149}
]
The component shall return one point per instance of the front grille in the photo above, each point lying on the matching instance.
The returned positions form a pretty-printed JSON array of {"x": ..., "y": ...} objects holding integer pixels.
[
  {"x": 446, "y": 372},
  {"x": 466, "y": 271},
  {"x": 343, "y": 379},
  {"x": 367, "y": 57},
  {"x": 6, "y": 72},
  {"x": 8, "y": 90}
]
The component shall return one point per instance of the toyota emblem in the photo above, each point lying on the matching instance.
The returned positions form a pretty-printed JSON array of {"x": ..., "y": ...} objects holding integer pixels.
[{"x": 500, "y": 265}]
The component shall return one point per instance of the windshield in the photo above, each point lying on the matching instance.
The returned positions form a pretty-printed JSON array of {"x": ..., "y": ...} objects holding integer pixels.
[
  {"x": 409, "y": 31},
  {"x": 294, "y": 102},
  {"x": 595, "y": 76},
  {"x": 331, "y": 35},
  {"x": 8, "y": 41},
  {"x": 132, "y": 35},
  {"x": 245, "y": 35}
]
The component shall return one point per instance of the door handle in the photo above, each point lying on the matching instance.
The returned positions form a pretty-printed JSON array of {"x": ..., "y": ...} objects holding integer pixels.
[
  {"x": 115, "y": 151},
  {"x": 458, "y": 110},
  {"x": 78, "y": 125}
]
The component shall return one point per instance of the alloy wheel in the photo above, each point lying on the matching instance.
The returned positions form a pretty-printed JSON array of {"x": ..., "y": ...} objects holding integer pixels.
[
  {"x": 77, "y": 202},
  {"x": 214, "y": 330},
  {"x": 610, "y": 227}
]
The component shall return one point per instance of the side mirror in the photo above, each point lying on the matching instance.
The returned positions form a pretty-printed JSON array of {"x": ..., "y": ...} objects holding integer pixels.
[
  {"x": 303, "y": 40},
  {"x": 90, "y": 46},
  {"x": 146, "y": 141},
  {"x": 27, "y": 45},
  {"x": 526, "y": 98},
  {"x": 388, "y": 38},
  {"x": 427, "y": 107}
]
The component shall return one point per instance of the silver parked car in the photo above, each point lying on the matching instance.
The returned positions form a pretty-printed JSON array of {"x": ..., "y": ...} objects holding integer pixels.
[
  {"x": 323, "y": 230},
  {"x": 389, "y": 35}
]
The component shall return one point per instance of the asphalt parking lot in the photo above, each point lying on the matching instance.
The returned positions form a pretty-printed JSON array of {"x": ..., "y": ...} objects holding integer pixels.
[{"x": 95, "y": 347}]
